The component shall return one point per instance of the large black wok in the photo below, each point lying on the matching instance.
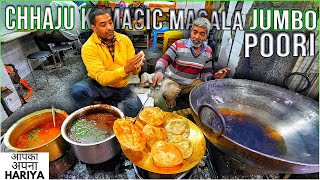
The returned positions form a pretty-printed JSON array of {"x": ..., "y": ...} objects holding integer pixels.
[{"x": 261, "y": 125}]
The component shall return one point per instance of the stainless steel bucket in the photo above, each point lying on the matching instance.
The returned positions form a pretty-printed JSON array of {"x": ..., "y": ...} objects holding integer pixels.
[{"x": 93, "y": 153}]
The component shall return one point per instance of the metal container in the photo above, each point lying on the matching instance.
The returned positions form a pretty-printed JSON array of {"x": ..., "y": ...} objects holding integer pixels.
[
  {"x": 56, "y": 147},
  {"x": 144, "y": 174},
  {"x": 287, "y": 121},
  {"x": 98, "y": 152}
]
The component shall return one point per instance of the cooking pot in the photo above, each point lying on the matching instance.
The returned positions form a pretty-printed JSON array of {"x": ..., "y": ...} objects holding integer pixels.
[
  {"x": 98, "y": 152},
  {"x": 264, "y": 126},
  {"x": 144, "y": 174},
  {"x": 56, "y": 147}
]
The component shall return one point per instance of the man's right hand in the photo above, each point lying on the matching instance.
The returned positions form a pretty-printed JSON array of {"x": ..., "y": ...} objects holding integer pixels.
[
  {"x": 157, "y": 78},
  {"x": 134, "y": 63}
]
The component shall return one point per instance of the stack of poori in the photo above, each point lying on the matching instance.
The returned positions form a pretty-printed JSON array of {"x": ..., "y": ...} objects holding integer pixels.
[{"x": 166, "y": 138}]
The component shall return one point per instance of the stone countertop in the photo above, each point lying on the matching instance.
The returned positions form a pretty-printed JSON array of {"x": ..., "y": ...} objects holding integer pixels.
[{"x": 120, "y": 167}]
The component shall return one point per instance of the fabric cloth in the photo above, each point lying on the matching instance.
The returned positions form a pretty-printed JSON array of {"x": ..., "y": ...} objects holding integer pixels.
[
  {"x": 181, "y": 64},
  {"x": 43, "y": 38},
  {"x": 73, "y": 33},
  {"x": 110, "y": 45},
  {"x": 87, "y": 91},
  {"x": 166, "y": 95},
  {"x": 104, "y": 69}
]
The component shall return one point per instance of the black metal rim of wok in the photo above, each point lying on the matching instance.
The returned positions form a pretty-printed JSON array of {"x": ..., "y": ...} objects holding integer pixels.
[
  {"x": 221, "y": 119},
  {"x": 254, "y": 151},
  {"x": 304, "y": 75}
]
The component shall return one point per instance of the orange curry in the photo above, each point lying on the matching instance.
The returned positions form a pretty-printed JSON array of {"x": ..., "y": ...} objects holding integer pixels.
[{"x": 40, "y": 135}]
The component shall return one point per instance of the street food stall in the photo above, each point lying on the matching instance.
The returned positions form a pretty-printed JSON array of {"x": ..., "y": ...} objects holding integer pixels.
[{"x": 261, "y": 121}]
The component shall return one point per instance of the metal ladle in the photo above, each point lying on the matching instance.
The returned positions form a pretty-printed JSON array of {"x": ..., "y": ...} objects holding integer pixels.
[{"x": 53, "y": 110}]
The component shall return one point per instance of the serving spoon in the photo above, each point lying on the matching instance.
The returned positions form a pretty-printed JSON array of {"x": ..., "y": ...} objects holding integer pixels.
[{"x": 53, "y": 110}]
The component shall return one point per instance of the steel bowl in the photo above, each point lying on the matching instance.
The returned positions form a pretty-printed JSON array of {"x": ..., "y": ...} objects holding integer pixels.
[
  {"x": 56, "y": 147},
  {"x": 98, "y": 152}
]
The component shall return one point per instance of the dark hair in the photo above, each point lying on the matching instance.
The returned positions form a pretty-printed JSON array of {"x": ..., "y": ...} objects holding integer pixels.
[{"x": 95, "y": 13}]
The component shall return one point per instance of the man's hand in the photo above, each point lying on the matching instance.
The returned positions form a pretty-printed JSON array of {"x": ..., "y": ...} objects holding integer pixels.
[
  {"x": 140, "y": 21},
  {"x": 221, "y": 73},
  {"x": 137, "y": 22},
  {"x": 157, "y": 78},
  {"x": 134, "y": 63}
]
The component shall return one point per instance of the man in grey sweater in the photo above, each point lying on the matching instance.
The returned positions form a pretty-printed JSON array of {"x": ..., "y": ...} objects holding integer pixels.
[{"x": 186, "y": 63}]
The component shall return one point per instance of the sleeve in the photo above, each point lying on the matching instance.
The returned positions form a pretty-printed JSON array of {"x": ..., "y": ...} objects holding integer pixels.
[
  {"x": 96, "y": 69},
  {"x": 207, "y": 71},
  {"x": 167, "y": 58}
]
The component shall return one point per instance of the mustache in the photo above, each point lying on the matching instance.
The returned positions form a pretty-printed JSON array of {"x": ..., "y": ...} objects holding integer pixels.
[
  {"x": 109, "y": 31},
  {"x": 196, "y": 40}
]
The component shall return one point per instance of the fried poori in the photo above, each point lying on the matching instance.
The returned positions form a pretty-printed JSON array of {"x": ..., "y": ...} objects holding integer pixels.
[
  {"x": 178, "y": 127},
  {"x": 154, "y": 134},
  {"x": 183, "y": 144},
  {"x": 140, "y": 124},
  {"x": 129, "y": 135},
  {"x": 152, "y": 115},
  {"x": 166, "y": 155}
]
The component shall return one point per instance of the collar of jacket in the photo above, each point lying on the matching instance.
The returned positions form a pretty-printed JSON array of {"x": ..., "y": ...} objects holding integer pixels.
[{"x": 97, "y": 40}]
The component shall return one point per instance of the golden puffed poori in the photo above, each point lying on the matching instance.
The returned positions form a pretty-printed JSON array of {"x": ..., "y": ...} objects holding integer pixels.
[
  {"x": 129, "y": 135},
  {"x": 140, "y": 124},
  {"x": 154, "y": 134},
  {"x": 183, "y": 144},
  {"x": 178, "y": 127},
  {"x": 166, "y": 155},
  {"x": 152, "y": 115}
]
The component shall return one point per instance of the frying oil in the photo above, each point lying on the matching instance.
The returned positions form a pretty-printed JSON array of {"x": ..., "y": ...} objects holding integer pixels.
[{"x": 252, "y": 128}]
